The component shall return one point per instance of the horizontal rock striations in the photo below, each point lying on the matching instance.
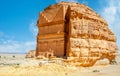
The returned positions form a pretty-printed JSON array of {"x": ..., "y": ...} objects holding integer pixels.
[{"x": 77, "y": 32}]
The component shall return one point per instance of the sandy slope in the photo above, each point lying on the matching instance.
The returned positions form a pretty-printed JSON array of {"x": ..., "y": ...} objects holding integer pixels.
[{"x": 19, "y": 66}]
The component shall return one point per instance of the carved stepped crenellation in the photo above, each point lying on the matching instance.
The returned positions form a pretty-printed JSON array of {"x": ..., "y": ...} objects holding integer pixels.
[
  {"x": 45, "y": 17},
  {"x": 74, "y": 30}
]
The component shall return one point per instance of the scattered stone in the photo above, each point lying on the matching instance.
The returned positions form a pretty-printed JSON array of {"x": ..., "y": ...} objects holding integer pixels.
[
  {"x": 66, "y": 73},
  {"x": 113, "y": 62},
  {"x": 96, "y": 71},
  {"x": 13, "y": 56}
]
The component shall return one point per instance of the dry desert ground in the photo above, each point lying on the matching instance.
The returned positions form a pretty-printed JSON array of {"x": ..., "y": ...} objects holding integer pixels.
[{"x": 18, "y": 65}]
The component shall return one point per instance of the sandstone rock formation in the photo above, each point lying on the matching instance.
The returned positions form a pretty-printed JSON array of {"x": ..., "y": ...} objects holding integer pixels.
[
  {"x": 30, "y": 54},
  {"x": 76, "y": 31}
]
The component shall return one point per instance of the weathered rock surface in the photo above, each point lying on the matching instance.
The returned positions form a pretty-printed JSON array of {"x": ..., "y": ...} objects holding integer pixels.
[
  {"x": 76, "y": 31},
  {"x": 30, "y": 54}
]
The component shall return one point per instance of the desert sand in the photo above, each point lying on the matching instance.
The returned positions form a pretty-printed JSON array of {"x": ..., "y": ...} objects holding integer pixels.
[{"x": 18, "y": 65}]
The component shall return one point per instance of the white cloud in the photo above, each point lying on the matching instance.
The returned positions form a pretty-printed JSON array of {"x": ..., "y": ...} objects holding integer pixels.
[
  {"x": 33, "y": 28},
  {"x": 29, "y": 45},
  {"x": 111, "y": 13},
  {"x": 11, "y": 46}
]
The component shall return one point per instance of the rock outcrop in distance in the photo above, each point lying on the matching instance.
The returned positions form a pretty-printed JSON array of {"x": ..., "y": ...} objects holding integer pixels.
[
  {"x": 74, "y": 30},
  {"x": 31, "y": 54}
]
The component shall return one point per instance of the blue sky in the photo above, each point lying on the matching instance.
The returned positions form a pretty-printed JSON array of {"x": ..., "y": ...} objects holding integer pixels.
[{"x": 18, "y": 19}]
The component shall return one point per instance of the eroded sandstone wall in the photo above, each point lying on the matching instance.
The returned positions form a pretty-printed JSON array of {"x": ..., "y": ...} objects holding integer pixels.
[
  {"x": 75, "y": 30},
  {"x": 90, "y": 38},
  {"x": 51, "y": 31}
]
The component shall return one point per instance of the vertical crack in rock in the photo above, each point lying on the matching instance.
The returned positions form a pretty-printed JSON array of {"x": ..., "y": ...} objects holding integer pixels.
[{"x": 74, "y": 30}]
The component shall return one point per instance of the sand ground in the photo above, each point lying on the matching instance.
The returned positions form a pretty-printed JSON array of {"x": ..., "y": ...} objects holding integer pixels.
[{"x": 18, "y": 65}]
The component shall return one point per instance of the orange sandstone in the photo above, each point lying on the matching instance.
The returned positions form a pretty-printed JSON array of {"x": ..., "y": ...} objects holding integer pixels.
[{"x": 74, "y": 30}]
